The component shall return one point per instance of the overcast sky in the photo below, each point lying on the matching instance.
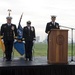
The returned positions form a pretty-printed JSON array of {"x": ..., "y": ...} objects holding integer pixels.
[{"x": 39, "y": 12}]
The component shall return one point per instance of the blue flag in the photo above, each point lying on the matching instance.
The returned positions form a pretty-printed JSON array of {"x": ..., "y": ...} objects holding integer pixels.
[
  {"x": 19, "y": 46},
  {"x": 20, "y": 29}
]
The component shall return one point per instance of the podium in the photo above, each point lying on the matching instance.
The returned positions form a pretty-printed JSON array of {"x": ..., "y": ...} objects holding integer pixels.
[{"x": 58, "y": 47}]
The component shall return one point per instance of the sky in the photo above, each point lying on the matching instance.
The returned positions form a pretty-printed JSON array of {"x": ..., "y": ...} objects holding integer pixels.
[{"x": 39, "y": 13}]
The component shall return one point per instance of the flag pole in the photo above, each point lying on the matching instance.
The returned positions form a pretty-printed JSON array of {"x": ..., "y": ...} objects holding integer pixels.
[
  {"x": 9, "y": 10},
  {"x": 21, "y": 17},
  {"x": 20, "y": 30}
]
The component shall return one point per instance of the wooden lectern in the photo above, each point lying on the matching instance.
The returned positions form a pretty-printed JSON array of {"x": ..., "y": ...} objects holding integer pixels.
[{"x": 58, "y": 46}]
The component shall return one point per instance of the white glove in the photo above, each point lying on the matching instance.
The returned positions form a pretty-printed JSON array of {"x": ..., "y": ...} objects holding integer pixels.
[{"x": 15, "y": 40}]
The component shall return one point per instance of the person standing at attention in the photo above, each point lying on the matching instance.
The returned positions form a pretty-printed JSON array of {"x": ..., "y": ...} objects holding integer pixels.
[
  {"x": 29, "y": 37},
  {"x": 8, "y": 32}
]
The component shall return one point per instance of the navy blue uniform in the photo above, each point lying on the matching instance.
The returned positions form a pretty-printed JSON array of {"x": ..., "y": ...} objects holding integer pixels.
[
  {"x": 29, "y": 35},
  {"x": 50, "y": 26},
  {"x": 8, "y": 33}
]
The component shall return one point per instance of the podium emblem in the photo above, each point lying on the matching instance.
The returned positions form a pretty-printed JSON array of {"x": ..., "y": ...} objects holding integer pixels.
[{"x": 60, "y": 39}]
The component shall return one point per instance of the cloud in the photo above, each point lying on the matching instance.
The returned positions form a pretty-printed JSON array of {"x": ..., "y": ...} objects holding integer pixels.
[{"x": 39, "y": 11}]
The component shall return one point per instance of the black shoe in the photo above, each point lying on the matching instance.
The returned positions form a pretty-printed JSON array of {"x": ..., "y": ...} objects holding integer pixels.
[
  {"x": 8, "y": 60},
  {"x": 30, "y": 59}
]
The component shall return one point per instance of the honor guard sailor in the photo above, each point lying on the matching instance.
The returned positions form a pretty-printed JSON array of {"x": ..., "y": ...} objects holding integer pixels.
[
  {"x": 29, "y": 36},
  {"x": 8, "y": 32}
]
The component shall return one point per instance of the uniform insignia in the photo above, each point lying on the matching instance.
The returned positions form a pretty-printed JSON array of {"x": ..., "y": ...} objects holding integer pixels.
[
  {"x": 12, "y": 27},
  {"x": 57, "y": 26},
  {"x": 32, "y": 29}
]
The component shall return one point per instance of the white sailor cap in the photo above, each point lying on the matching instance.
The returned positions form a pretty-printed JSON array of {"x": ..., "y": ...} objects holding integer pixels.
[
  {"x": 8, "y": 17},
  {"x": 53, "y": 16}
]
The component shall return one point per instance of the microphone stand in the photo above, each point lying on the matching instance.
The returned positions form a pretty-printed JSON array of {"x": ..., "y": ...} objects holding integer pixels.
[
  {"x": 72, "y": 44},
  {"x": 71, "y": 41}
]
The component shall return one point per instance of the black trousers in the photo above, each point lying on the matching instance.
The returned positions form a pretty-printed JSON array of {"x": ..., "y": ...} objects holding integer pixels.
[
  {"x": 28, "y": 49},
  {"x": 8, "y": 49}
]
